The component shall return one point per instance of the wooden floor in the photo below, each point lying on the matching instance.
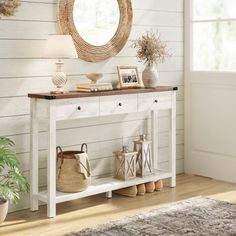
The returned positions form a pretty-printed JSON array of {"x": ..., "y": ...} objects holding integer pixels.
[{"x": 75, "y": 215}]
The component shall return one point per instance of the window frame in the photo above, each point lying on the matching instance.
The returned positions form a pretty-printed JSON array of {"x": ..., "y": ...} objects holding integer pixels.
[{"x": 189, "y": 13}]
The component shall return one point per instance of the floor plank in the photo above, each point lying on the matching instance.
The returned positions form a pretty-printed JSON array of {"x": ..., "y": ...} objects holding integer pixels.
[{"x": 87, "y": 212}]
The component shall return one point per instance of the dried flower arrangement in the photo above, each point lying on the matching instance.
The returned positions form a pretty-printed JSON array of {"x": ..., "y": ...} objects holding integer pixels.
[
  {"x": 150, "y": 48},
  {"x": 8, "y": 7}
]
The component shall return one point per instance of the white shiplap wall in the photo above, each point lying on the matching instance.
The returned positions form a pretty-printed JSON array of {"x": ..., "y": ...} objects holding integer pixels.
[{"x": 22, "y": 70}]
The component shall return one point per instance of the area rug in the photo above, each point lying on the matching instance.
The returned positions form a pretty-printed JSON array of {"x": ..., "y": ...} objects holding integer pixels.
[{"x": 195, "y": 216}]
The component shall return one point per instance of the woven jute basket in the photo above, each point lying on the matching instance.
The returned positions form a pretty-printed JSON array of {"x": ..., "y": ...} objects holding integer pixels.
[{"x": 73, "y": 170}]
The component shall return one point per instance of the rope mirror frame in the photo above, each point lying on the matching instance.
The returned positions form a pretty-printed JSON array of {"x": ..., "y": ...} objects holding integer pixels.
[{"x": 86, "y": 51}]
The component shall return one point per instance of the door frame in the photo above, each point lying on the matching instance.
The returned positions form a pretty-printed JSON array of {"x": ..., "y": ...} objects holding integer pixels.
[
  {"x": 224, "y": 80},
  {"x": 188, "y": 39}
]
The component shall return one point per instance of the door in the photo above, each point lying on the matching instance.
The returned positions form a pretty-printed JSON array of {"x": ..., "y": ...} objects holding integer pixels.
[{"x": 210, "y": 88}]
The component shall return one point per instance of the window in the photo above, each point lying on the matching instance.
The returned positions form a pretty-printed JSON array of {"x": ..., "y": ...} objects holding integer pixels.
[{"x": 214, "y": 35}]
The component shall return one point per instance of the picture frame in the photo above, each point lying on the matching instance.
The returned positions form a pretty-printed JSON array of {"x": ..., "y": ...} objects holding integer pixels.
[{"x": 129, "y": 77}]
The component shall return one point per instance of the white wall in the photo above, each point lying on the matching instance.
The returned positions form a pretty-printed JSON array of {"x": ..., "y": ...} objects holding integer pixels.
[{"x": 22, "y": 70}]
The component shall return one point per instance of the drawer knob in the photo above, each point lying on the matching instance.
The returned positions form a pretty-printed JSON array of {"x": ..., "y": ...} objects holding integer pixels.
[
  {"x": 79, "y": 108},
  {"x": 120, "y": 104},
  {"x": 156, "y": 101}
]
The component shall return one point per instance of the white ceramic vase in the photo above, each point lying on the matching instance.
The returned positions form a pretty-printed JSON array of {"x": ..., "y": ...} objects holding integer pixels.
[
  {"x": 150, "y": 76},
  {"x": 3, "y": 209}
]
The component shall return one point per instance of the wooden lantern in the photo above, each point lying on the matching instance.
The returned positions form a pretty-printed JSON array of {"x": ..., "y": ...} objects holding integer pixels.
[
  {"x": 144, "y": 157},
  {"x": 125, "y": 164}
]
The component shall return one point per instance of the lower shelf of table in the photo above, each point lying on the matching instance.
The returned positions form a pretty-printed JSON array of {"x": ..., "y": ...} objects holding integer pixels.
[{"x": 104, "y": 185}]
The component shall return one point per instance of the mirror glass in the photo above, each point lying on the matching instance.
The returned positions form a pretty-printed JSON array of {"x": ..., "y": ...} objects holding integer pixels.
[{"x": 96, "y": 21}]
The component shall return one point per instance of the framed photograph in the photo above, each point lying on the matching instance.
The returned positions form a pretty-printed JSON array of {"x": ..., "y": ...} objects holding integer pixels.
[{"x": 128, "y": 76}]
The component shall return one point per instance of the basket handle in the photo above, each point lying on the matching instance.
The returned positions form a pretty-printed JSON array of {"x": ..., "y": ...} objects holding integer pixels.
[
  {"x": 86, "y": 147},
  {"x": 59, "y": 151}
]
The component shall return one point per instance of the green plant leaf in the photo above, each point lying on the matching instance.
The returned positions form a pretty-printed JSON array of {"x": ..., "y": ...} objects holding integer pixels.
[{"x": 12, "y": 180}]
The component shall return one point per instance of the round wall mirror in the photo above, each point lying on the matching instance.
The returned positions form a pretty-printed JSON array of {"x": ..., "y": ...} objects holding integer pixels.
[
  {"x": 99, "y": 28},
  {"x": 96, "y": 21}
]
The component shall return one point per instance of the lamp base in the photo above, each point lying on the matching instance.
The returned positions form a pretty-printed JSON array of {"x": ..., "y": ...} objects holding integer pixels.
[
  {"x": 59, "y": 78},
  {"x": 59, "y": 91}
]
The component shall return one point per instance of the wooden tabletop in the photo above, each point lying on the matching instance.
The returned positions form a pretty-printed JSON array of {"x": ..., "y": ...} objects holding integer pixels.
[{"x": 76, "y": 94}]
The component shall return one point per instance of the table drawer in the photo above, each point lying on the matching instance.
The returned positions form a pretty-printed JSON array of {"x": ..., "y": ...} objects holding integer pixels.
[
  {"x": 118, "y": 104},
  {"x": 77, "y": 108},
  {"x": 153, "y": 101}
]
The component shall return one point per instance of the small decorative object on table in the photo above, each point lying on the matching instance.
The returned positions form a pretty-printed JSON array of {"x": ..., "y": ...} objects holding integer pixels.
[
  {"x": 129, "y": 77},
  {"x": 125, "y": 164},
  {"x": 94, "y": 77},
  {"x": 150, "y": 50},
  {"x": 144, "y": 157},
  {"x": 60, "y": 47},
  {"x": 94, "y": 86},
  {"x": 73, "y": 170}
]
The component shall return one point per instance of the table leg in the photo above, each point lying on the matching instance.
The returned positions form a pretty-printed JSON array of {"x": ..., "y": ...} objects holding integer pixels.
[
  {"x": 109, "y": 194},
  {"x": 34, "y": 203},
  {"x": 154, "y": 131},
  {"x": 172, "y": 161},
  {"x": 51, "y": 163}
]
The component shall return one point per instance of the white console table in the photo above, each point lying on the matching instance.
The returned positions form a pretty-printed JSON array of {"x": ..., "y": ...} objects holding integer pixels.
[{"x": 75, "y": 105}]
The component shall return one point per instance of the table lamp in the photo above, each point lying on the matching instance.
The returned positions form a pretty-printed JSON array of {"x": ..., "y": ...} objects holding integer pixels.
[{"x": 60, "y": 47}]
